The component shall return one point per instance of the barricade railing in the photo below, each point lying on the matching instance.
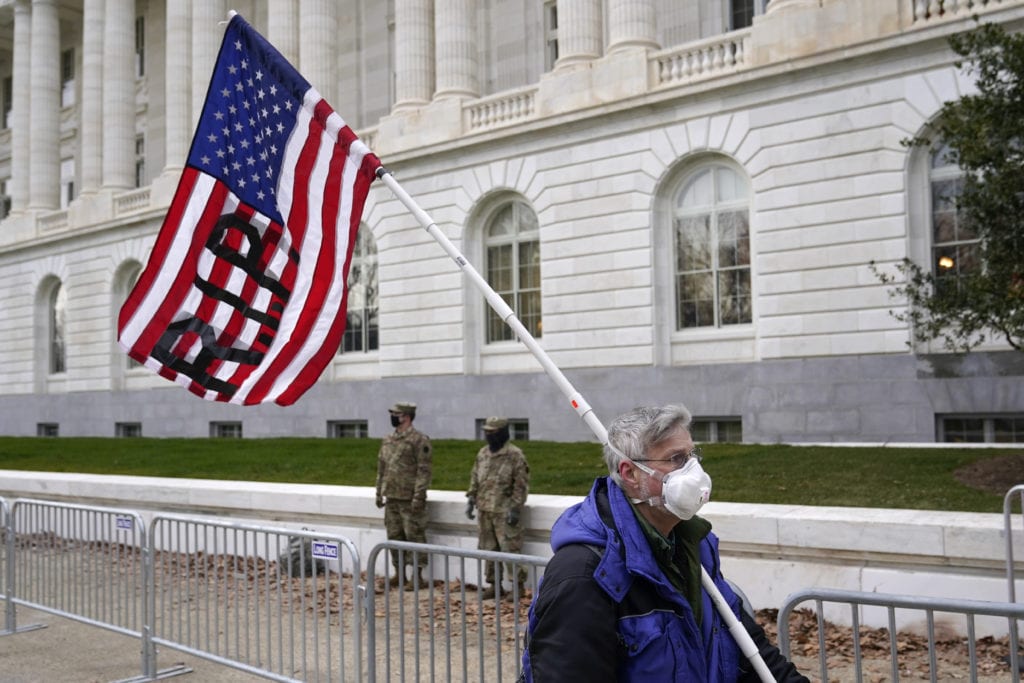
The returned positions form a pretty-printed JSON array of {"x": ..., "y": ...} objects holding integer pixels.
[
  {"x": 969, "y": 609},
  {"x": 279, "y": 603},
  {"x": 445, "y": 629},
  {"x": 86, "y": 563},
  {"x": 1015, "y": 493}
]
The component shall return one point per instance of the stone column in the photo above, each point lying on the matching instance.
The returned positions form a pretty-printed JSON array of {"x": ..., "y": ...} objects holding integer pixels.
[
  {"x": 283, "y": 28},
  {"x": 579, "y": 31},
  {"x": 455, "y": 35},
  {"x": 318, "y": 26},
  {"x": 207, "y": 34},
  {"x": 176, "y": 87},
  {"x": 44, "y": 105},
  {"x": 119, "y": 95},
  {"x": 91, "y": 134},
  {"x": 20, "y": 117},
  {"x": 414, "y": 53},
  {"x": 631, "y": 24}
]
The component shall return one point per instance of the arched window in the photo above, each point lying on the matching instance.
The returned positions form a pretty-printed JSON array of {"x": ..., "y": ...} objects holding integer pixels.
[
  {"x": 361, "y": 331},
  {"x": 58, "y": 329},
  {"x": 711, "y": 232},
  {"x": 954, "y": 245},
  {"x": 512, "y": 256},
  {"x": 131, "y": 276}
]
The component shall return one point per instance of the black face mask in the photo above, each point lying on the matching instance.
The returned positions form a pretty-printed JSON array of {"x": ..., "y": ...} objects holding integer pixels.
[
  {"x": 395, "y": 420},
  {"x": 496, "y": 439}
]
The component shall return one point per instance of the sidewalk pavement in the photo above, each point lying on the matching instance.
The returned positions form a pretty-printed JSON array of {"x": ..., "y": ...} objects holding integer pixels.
[{"x": 68, "y": 651}]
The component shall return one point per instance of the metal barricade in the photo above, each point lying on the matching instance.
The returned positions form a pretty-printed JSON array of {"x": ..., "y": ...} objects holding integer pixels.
[
  {"x": 930, "y": 606},
  {"x": 85, "y": 563},
  {"x": 279, "y": 603},
  {"x": 1017, "y": 492},
  {"x": 446, "y": 630}
]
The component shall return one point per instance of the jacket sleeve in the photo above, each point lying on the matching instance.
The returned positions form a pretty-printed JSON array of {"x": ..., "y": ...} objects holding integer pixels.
[
  {"x": 781, "y": 668},
  {"x": 574, "y": 634},
  {"x": 424, "y": 468},
  {"x": 520, "y": 482},
  {"x": 380, "y": 471}
]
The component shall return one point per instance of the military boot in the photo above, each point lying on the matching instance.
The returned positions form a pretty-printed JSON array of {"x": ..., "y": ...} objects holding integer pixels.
[
  {"x": 418, "y": 580},
  {"x": 516, "y": 594},
  {"x": 491, "y": 591}
]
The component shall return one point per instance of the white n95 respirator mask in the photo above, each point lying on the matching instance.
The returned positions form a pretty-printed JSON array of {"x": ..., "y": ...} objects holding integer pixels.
[{"x": 683, "y": 491}]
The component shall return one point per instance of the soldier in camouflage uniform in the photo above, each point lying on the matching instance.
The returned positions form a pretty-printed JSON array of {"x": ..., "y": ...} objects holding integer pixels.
[
  {"x": 404, "y": 469},
  {"x": 498, "y": 486}
]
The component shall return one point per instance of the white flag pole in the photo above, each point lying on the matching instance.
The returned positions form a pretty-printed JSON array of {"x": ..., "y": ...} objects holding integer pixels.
[{"x": 576, "y": 400}]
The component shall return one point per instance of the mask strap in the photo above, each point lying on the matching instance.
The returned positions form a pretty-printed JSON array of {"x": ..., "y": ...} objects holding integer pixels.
[{"x": 653, "y": 501}]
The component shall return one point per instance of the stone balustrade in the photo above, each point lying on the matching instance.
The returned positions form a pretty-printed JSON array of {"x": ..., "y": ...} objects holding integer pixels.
[
  {"x": 699, "y": 60},
  {"x": 503, "y": 109}
]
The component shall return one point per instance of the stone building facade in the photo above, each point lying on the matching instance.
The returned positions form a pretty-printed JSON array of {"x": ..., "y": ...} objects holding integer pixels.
[{"x": 679, "y": 199}]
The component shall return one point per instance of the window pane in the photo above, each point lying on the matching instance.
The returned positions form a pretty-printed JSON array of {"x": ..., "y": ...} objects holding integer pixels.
[
  {"x": 529, "y": 265},
  {"x": 519, "y": 429},
  {"x": 733, "y": 239},
  {"x": 730, "y": 431},
  {"x": 944, "y": 226},
  {"x": 941, "y": 156},
  {"x": 698, "y": 192},
  {"x": 58, "y": 324},
  {"x": 700, "y": 431},
  {"x": 226, "y": 430},
  {"x": 361, "y": 319},
  {"x": 347, "y": 429},
  {"x": 696, "y": 296},
  {"x": 499, "y": 268},
  {"x": 693, "y": 243},
  {"x": 128, "y": 429},
  {"x": 47, "y": 429},
  {"x": 734, "y": 293},
  {"x": 944, "y": 194},
  {"x": 963, "y": 430},
  {"x": 1008, "y": 430},
  {"x": 742, "y": 12},
  {"x": 730, "y": 186},
  {"x": 502, "y": 224},
  {"x": 529, "y": 312}
]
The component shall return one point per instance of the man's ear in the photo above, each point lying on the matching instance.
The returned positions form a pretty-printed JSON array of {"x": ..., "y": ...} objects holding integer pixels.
[{"x": 628, "y": 471}]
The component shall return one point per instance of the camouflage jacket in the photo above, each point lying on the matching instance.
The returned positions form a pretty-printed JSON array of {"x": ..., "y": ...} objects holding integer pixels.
[
  {"x": 404, "y": 466},
  {"x": 499, "y": 481}
]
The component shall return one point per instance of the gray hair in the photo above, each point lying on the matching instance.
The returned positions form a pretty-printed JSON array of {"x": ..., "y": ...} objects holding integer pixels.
[{"x": 631, "y": 434}]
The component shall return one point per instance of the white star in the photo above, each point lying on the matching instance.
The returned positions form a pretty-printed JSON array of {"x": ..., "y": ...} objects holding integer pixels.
[
  {"x": 233, "y": 109},
  {"x": 220, "y": 154},
  {"x": 225, "y": 92},
  {"x": 244, "y": 144},
  {"x": 260, "y": 196},
  {"x": 250, "y": 161},
  {"x": 280, "y": 127},
  {"x": 238, "y": 86},
  {"x": 211, "y": 137},
  {"x": 255, "y": 177},
  {"x": 245, "y": 63},
  {"x": 219, "y": 115},
  {"x": 259, "y": 75},
  {"x": 235, "y": 166},
  {"x": 238, "y": 45},
  {"x": 273, "y": 149},
  {"x": 273, "y": 89},
  {"x": 241, "y": 182},
  {"x": 231, "y": 149},
  {"x": 205, "y": 159},
  {"x": 232, "y": 69},
  {"x": 238, "y": 127}
]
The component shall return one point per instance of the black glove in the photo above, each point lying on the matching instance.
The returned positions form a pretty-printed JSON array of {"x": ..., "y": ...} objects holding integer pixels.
[
  {"x": 380, "y": 501},
  {"x": 470, "y": 504},
  {"x": 512, "y": 516}
]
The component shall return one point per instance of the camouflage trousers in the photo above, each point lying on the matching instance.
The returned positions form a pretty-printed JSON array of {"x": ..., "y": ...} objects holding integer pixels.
[
  {"x": 494, "y": 533},
  {"x": 402, "y": 525}
]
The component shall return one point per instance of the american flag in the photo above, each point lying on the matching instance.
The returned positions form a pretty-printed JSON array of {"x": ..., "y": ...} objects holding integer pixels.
[{"x": 243, "y": 298}]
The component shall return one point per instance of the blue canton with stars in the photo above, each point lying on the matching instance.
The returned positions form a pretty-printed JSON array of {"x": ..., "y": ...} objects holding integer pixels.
[{"x": 251, "y": 108}]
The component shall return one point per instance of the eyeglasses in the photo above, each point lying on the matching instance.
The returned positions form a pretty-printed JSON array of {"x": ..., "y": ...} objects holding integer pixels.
[{"x": 679, "y": 459}]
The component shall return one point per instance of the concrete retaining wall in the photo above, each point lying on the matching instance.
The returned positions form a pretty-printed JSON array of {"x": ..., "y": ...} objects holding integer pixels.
[{"x": 770, "y": 551}]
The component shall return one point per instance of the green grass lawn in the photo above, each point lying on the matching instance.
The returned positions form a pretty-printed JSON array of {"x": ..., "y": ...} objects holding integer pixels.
[{"x": 915, "y": 478}]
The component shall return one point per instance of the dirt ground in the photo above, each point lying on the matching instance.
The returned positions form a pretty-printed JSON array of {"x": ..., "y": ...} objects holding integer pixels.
[
  {"x": 912, "y": 653},
  {"x": 994, "y": 475}
]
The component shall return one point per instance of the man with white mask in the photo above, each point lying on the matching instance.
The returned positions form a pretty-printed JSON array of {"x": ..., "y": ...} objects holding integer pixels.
[{"x": 621, "y": 599}]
